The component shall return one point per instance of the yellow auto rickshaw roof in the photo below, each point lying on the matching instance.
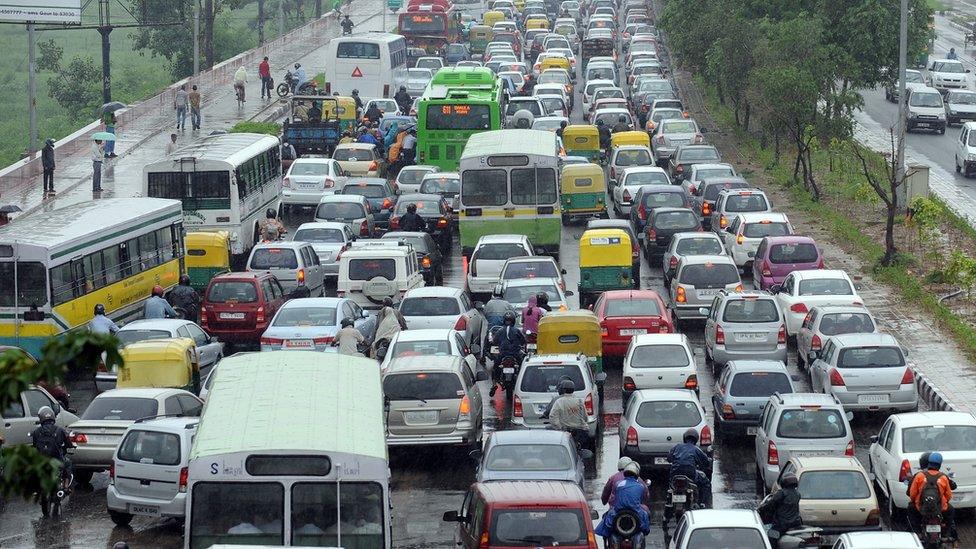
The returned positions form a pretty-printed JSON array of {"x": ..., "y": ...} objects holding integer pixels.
[
  {"x": 158, "y": 349},
  {"x": 558, "y": 62},
  {"x": 581, "y": 130},
  {"x": 605, "y": 248},
  {"x": 630, "y": 138},
  {"x": 206, "y": 238},
  {"x": 588, "y": 169},
  {"x": 570, "y": 317}
]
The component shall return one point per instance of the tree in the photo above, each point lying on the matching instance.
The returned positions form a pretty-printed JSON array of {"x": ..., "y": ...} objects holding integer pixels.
[
  {"x": 883, "y": 177},
  {"x": 77, "y": 87}
]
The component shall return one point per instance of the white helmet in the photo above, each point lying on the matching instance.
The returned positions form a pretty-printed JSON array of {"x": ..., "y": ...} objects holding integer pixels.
[{"x": 623, "y": 462}]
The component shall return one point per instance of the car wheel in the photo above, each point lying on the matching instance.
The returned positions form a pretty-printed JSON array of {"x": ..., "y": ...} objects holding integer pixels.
[
  {"x": 897, "y": 515},
  {"x": 942, "y": 130},
  {"x": 120, "y": 518}
]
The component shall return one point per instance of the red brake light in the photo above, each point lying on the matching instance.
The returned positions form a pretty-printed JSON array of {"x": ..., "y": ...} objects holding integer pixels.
[
  {"x": 442, "y": 223},
  {"x": 692, "y": 189},
  {"x": 723, "y": 222},
  {"x": 588, "y": 404},
  {"x": 259, "y": 315},
  {"x": 908, "y": 378},
  {"x": 836, "y": 380},
  {"x": 322, "y": 340},
  {"x": 286, "y": 182},
  {"x": 673, "y": 262},
  {"x": 461, "y": 324},
  {"x": 516, "y": 406},
  {"x": 719, "y": 335},
  {"x": 301, "y": 276},
  {"x": 627, "y": 196},
  {"x": 781, "y": 336},
  {"x": 364, "y": 228},
  {"x": 651, "y": 234},
  {"x": 820, "y": 263},
  {"x": 629, "y": 384},
  {"x": 728, "y": 412},
  {"x": 706, "y": 208},
  {"x": 740, "y": 239},
  {"x": 464, "y": 408},
  {"x": 691, "y": 382},
  {"x": 766, "y": 269},
  {"x": 799, "y": 308},
  {"x": 184, "y": 478},
  {"x": 111, "y": 473},
  {"x": 849, "y": 451},
  {"x": 642, "y": 212},
  {"x": 78, "y": 438},
  {"x": 772, "y": 454},
  {"x": 706, "y": 436},
  {"x": 394, "y": 223},
  {"x": 271, "y": 341},
  {"x": 815, "y": 343},
  {"x": 387, "y": 204},
  {"x": 905, "y": 471},
  {"x": 631, "y": 436}
]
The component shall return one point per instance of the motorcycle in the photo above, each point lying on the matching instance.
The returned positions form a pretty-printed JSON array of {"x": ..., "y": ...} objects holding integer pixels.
[
  {"x": 932, "y": 532},
  {"x": 531, "y": 342},
  {"x": 683, "y": 495},
  {"x": 51, "y": 503},
  {"x": 626, "y": 532},
  {"x": 508, "y": 375},
  {"x": 284, "y": 88}
]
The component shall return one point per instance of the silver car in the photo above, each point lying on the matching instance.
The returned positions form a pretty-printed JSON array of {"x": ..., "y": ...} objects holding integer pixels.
[
  {"x": 742, "y": 391},
  {"x": 865, "y": 372},
  {"x": 433, "y": 400},
  {"x": 309, "y": 179},
  {"x": 351, "y": 209},
  {"x": 744, "y": 325},
  {"x": 671, "y": 133},
  {"x": 328, "y": 239},
  {"x": 691, "y": 243},
  {"x": 209, "y": 349},
  {"x": 827, "y": 321},
  {"x": 310, "y": 324},
  {"x": 295, "y": 265},
  {"x": 536, "y": 387},
  {"x": 410, "y": 177},
  {"x": 697, "y": 280},
  {"x": 655, "y": 420},
  {"x": 20, "y": 417},
  {"x": 960, "y": 106},
  {"x": 531, "y": 455},
  {"x": 443, "y": 307}
]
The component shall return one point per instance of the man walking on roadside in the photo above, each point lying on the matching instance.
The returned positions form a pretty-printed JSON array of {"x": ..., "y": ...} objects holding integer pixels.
[
  {"x": 47, "y": 162},
  {"x": 194, "y": 98},
  {"x": 171, "y": 146},
  {"x": 264, "y": 71},
  {"x": 180, "y": 102},
  {"x": 97, "y": 155}
]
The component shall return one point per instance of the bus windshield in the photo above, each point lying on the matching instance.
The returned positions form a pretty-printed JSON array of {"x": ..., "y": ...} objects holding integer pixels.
[
  {"x": 458, "y": 117},
  {"x": 31, "y": 284}
]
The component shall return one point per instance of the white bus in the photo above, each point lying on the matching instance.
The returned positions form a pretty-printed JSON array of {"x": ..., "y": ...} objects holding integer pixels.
[
  {"x": 56, "y": 266},
  {"x": 291, "y": 450},
  {"x": 374, "y": 63},
  {"x": 225, "y": 182}
]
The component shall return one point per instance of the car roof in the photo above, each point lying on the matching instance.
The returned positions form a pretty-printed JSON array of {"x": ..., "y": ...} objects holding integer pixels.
[
  {"x": 507, "y": 238},
  {"x": 757, "y": 217},
  {"x": 176, "y": 425},
  {"x": 660, "y": 339},
  {"x": 666, "y": 394},
  {"x": 237, "y": 275},
  {"x": 696, "y": 234},
  {"x": 292, "y": 244},
  {"x": 140, "y": 392},
  {"x": 707, "y": 258},
  {"x": 419, "y": 196},
  {"x": 433, "y": 291},
  {"x": 662, "y": 188},
  {"x": 312, "y": 160},
  {"x": 531, "y": 259},
  {"x": 746, "y": 294},
  {"x": 535, "y": 493},
  {"x": 537, "y": 281},
  {"x": 711, "y": 165},
  {"x": 928, "y": 419},
  {"x": 356, "y": 145},
  {"x": 439, "y": 175},
  {"x": 808, "y": 274},
  {"x": 789, "y": 239},
  {"x": 426, "y": 363},
  {"x": 644, "y": 169},
  {"x": 313, "y": 302},
  {"x": 528, "y": 436},
  {"x": 827, "y": 462},
  {"x": 745, "y": 191},
  {"x": 753, "y": 365},
  {"x": 871, "y": 540},
  {"x": 808, "y": 399},
  {"x": 568, "y": 358},
  {"x": 154, "y": 323},
  {"x": 722, "y": 179},
  {"x": 426, "y": 334},
  {"x": 856, "y": 340},
  {"x": 420, "y": 167},
  {"x": 723, "y": 518},
  {"x": 321, "y": 225},
  {"x": 831, "y": 309},
  {"x": 364, "y": 181},
  {"x": 342, "y": 198}
]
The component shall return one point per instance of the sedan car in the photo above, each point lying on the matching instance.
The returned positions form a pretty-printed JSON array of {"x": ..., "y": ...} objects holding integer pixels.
[
  {"x": 537, "y": 266},
  {"x": 310, "y": 324},
  {"x": 430, "y": 342},
  {"x": 827, "y": 321},
  {"x": 687, "y": 155},
  {"x": 309, "y": 179},
  {"x": 742, "y": 391},
  {"x": 209, "y": 349},
  {"x": 626, "y": 314},
  {"x": 328, "y": 239},
  {"x": 630, "y": 180},
  {"x": 837, "y": 494},
  {"x": 443, "y": 307},
  {"x": 802, "y": 290},
  {"x": 360, "y": 159},
  {"x": 436, "y": 213},
  {"x": 654, "y": 419},
  {"x": 531, "y": 455}
]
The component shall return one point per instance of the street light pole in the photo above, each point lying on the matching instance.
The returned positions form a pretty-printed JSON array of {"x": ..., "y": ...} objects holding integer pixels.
[
  {"x": 32, "y": 88},
  {"x": 196, "y": 37},
  {"x": 902, "y": 68}
]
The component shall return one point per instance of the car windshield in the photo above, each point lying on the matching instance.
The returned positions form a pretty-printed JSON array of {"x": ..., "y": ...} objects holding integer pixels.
[
  {"x": 802, "y": 252},
  {"x": 426, "y": 385},
  {"x": 553, "y": 77},
  {"x": 436, "y": 347},
  {"x": 826, "y": 286},
  {"x": 683, "y": 220},
  {"x": 704, "y": 276},
  {"x": 305, "y": 316},
  {"x": 544, "y": 378},
  {"x": 668, "y": 413},
  {"x": 528, "y": 457},
  {"x": 963, "y": 98},
  {"x": 699, "y": 246},
  {"x": 811, "y": 422},
  {"x": 750, "y": 310},
  {"x": 530, "y": 269},
  {"x": 120, "y": 408},
  {"x": 833, "y": 485},
  {"x": 746, "y": 203},
  {"x": 647, "y": 178},
  {"x": 870, "y": 357},
  {"x": 948, "y": 66},
  {"x": 766, "y": 228},
  {"x": 131, "y": 336},
  {"x": 932, "y": 100},
  {"x": 521, "y": 294},
  {"x": 679, "y": 126},
  {"x": 698, "y": 154},
  {"x": 660, "y": 356},
  {"x": 938, "y": 438},
  {"x": 633, "y": 157},
  {"x": 537, "y": 527},
  {"x": 353, "y": 154},
  {"x": 309, "y": 168},
  {"x": 632, "y": 306},
  {"x": 369, "y": 268},
  {"x": 759, "y": 384},
  {"x": 340, "y": 211},
  {"x": 500, "y": 251},
  {"x": 844, "y": 323},
  {"x": 914, "y": 76},
  {"x": 411, "y": 177},
  {"x": 320, "y": 236},
  {"x": 232, "y": 292},
  {"x": 369, "y": 191},
  {"x": 273, "y": 258},
  {"x": 441, "y": 185},
  {"x": 725, "y": 538},
  {"x": 430, "y": 306}
]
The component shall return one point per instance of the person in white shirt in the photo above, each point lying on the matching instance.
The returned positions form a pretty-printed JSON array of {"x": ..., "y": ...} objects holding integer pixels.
[
  {"x": 171, "y": 145},
  {"x": 97, "y": 155},
  {"x": 240, "y": 78}
]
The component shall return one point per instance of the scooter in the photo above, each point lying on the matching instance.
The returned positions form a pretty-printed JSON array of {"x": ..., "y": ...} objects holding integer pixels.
[
  {"x": 51, "y": 503},
  {"x": 626, "y": 532}
]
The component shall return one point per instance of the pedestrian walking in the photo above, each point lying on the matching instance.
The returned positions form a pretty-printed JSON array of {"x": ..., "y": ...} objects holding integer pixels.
[
  {"x": 97, "y": 155},
  {"x": 194, "y": 98},
  {"x": 264, "y": 71},
  {"x": 47, "y": 162},
  {"x": 240, "y": 79},
  {"x": 171, "y": 146},
  {"x": 181, "y": 102}
]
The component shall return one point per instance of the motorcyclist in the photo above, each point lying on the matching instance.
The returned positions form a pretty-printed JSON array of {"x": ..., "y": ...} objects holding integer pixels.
[
  {"x": 359, "y": 102},
  {"x": 605, "y": 135},
  {"x": 101, "y": 324},
  {"x": 157, "y": 306},
  {"x": 609, "y": 489},
  {"x": 782, "y": 509},
  {"x": 373, "y": 113},
  {"x": 403, "y": 99},
  {"x": 531, "y": 315},
  {"x": 629, "y": 496},
  {"x": 51, "y": 441},
  {"x": 347, "y": 25},
  {"x": 528, "y": 86},
  {"x": 568, "y": 413},
  {"x": 511, "y": 343},
  {"x": 621, "y": 126},
  {"x": 931, "y": 492},
  {"x": 494, "y": 312},
  {"x": 690, "y": 460},
  {"x": 271, "y": 229},
  {"x": 542, "y": 300},
  {"x": 186, "y": 298},
  {"x": 300, "y": 78},
  {"x": 411, "y": 221},
  {"x": 348, "y": 338}
]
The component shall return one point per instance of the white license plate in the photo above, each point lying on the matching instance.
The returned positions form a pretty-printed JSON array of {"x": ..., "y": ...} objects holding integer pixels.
[
  {"x": 633, "y": 332},
  {"x": 660, "y": 461},
  {"x": 923, "y": 125},
  {"x": 494, "y": 349},
  {"x": 299, "y": 344},
  {"x": 707, "y": 293},
  {"x": 309, "y": 186},
  {"x": 933, "y": 528},
  {"x": 232, "y": 316},
  {"x": 531, "y": 346},
  {"x": 678, "y": 498},
  {"x": 102, "y": 439},
  {"x": 151, "y": 510},
  {"x": 421, "y": 417},
  {"x": 872, "y": 399},
  {"x": 752, "y": 430},
  {"x": 750, "y": 336},
  {"x": 508, "y": 370}
]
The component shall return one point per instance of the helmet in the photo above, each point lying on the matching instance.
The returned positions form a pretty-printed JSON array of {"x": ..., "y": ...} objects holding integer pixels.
[
  {"x": 623, "y": 462},
  {"x": 691, "y": 436},
  {"x": 632, "y": 469},
  {"x": 412, "y": 208},
  {"x": 542, "y": 298},
  {"x": 566, "y": 387},
  {"x": 935, "y": 460},
  {"x": 387, "y": 302},
  {"x": 49, "y": 141},
  {"x": 621, "y": 118},
  {"x": 184, "y": 280},
  {"x": 509, "y": 318},
  {"x": 157, "y": 291},
  {"x": 99, "y": 309},
  {"x": 923, "y": 460},
  {"x": 270, "y": 214},
  {"x": 45, "y": 413},
  {"x": 298, "y": 65},
  {"x": 347, "y": 322},
  {"x": 789, "y": 480},
  {"x": 599, "y": 122},
  {"x": 355, "y": 92},
  {"x": 403, "y": 88}
]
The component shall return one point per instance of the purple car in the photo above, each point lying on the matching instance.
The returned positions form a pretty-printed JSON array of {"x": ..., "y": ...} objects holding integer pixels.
[{"x": 779, "y": 256}]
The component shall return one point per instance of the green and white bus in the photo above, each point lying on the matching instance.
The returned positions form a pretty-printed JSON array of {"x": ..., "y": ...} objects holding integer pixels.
[
  {"x": 509, "y": 185},
  {"x": 291, "y": 450}
]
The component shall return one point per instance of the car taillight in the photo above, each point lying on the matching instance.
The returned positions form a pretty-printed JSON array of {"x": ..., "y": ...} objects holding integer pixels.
[
  {"x": 591, "y": 540},
  {"x": 673, "y": 262},
  {"x": 820, "y": 263},
  {"x": 259, "y": 315},
  {"x": 659, "y": 140},
  {"x": 364, "y": 228},
  {"x": 772, "y": 454},
  {"x": 728, "y": 412},
  {"x": 111, "y": 473},
  {"x": 184, "y": 478},
  {"x": 766, "y": 269},
  {"x": 394, "y": 223},
  {"x": 464, "y": 409},
  {"x": 722, "y": 221},
  {"x": 425, "y": 262},
  {"x": 629, "y": 384},
  {"x": 781, "y": 335},
  {"x": 692, "y": 382},
  {"x": 836, "y": 380},
  {"x": 706, "y": 208},
  {"x": 905, "y": 471},
  {"x": 642, "y": 212},
  {"x": 738, "y": 287},
  {"x": 483, "y": 542},
  {"x": 286, "y": 182},
  {"x": 271, "y": 341},
  {"x": 604, "y": 331},
  {"x": 461, "y": 324},
  {"x": 692, "y": 189},
  {"x": 373, "y": 166},
  {"x": 322, "y": 340},
  {"x": 849, "y": 451},
  {"x": 588, "y": 404},
  {"x": 798, "y": 308},
  {"x": 706, "y": 436},
  {"x": 203, "y": 317},
  {"x": 329, "y": 183},
  {"x": 442, "y": 223},
  {"x": 101, "y": 367},
  {"x": 874, "y": 518},
  {"x": 301, "y": 276},
  {"x": 651, "y": 234},
  {"x": 516, "y": 406},
  {"x": 631, "y": 436},
  {"x": 719, "y": 336},
  {"x": 908, "y": 377},
  {"x": 627, "y": 196},
  {"x": 664, "y": 329},
  {"x": 78, "y": 438},
  {"x": 740, "y": 239}
]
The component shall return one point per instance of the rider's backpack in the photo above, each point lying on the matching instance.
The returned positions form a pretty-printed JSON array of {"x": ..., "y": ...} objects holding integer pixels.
[
  {"x": 930, "y": 498},
  {"x": 46, "y": 442}
]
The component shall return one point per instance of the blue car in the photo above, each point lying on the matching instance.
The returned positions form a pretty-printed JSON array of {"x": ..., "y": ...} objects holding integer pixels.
[
  {"x": 378, "y": 192},
  {"x": 455, "y": 53}
]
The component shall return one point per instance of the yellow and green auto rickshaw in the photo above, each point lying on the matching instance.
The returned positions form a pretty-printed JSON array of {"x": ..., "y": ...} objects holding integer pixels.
[
  {"x": 582, "y": 140},
  {"x": 492, "y": 17},
  {"x": 478, "y": 38},
  {"x": 605, "y": 264},
  {"x": 345, "y": 112},
  {"x": 171, "y": 362},
  {"x": 584, "y": 192},
  {"x": 207, "y": 255},
  {"x": 572, "y": 332},
  {"x": 620, "y": 139}
]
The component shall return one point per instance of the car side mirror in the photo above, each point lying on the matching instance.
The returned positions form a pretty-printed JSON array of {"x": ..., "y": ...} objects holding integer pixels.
[
  {"x": 569, "y": 293},
  {"x": 451, "y": 516},
  {"x": 601, "y": 378},
  {"x": 874, "y": 439},
  {"x": 562, "y": 271},
  {"x": 703, "y": 311},
  {"x": 775, "y": 288},
  {"x": 594, "y": 515},
  {"x": 586, "y": 454},
  {"x": 849, "y": 416},
  {"x": 481, "y": 375}
]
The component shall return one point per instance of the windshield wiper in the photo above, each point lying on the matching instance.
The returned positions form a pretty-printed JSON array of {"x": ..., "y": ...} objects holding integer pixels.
[
  {"x": 547, "y": 540},
  {"x": 409, "y": 398}
]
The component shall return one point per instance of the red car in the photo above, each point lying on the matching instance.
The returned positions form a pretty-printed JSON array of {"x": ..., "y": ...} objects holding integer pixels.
[
  {"x": 626, "y": 313},
  {"x": 237, "y": 307}
]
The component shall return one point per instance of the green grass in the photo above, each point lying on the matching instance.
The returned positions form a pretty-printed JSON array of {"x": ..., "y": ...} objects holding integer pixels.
[
  {"x": 269, "y": 128},
  {"x": 937, "y": 5}
]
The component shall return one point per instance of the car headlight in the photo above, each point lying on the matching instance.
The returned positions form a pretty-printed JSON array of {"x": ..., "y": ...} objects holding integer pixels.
[
  {"x": 953, "y": 113},
  {"x": 912, "y": 114}
]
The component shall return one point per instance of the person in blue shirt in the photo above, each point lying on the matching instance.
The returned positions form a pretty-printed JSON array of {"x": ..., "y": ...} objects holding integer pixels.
[
  {"x": 101, "y": 324},
  {"x": 628, "y": 495},
  {"x": 952, "y": 54},
  {"x": 157, "y": 306},
  {"x": 366, "y": 137},
  {"x": 690, "y": 460},
  {"x": 511, "y": 343}
]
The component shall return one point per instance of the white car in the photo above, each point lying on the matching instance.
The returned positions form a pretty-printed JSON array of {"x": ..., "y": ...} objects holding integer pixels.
[
  {"x": 701, "y": 171},
  {"x": 659, "y": 361},
  {"x": 309, "y": 179},
  {"x": 410, "y": 177},
  {"x": 631, "y": 179},
  {"x": 328, "y": 239},
  {"x": 743, "y": 235},
  {"x": 489, "y": 256},
  {"x": 873, "y": 540},
  {"x": 430, "y": 342},
  {"x": 417, "y": 80},
  {"x": 536, "y": 266},
  {"x": 443, "y": 307},
  {"x": 894, "y": 452},
  {"x": 517, "y": 292},
  {"x": 803, "y": 290},
  {"x": 827, "y": 321},
  {"x": 947, "y": 74},
  {"x": 719, "y": 528},
  {"x": 965, "y": 149},
  {"x": 209, "y": 349},
  {"x": 385, "y": 105}
]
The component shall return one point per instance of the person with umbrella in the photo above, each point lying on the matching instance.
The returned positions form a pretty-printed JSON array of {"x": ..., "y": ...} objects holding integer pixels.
[
  {"x": 5, "y": 212},
  {"x": 97, "y": 155},
  {"x": 47, "y": 162}
]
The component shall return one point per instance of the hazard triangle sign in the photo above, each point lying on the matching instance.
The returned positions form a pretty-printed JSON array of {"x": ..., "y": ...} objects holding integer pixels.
[{"x": 356, "y": 73}]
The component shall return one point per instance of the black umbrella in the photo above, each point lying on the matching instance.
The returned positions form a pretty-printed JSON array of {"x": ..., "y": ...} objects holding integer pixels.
[
  {"x": 9, "y": 208},
  {"x": 112, "y": 107}
]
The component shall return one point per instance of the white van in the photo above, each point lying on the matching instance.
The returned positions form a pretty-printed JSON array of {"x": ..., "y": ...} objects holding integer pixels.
[
  {"x": 370, "y": 271},
  {"x": 926, "y": 110},
  {"x": 295, "y": 264}
]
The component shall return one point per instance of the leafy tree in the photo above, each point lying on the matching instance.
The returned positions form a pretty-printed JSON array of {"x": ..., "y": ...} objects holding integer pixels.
[{"x": 77, "y": 87}]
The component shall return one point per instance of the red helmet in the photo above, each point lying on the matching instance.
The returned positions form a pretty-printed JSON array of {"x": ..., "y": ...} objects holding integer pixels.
[{"x": 157, "y": 290}]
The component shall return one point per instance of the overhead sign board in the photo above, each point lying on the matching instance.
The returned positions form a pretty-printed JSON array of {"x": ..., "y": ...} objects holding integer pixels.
[{"x": 41, "y": 11}]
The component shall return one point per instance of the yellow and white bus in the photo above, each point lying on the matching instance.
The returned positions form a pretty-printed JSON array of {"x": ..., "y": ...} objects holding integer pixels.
[
  {"x": 226, "y": 183},
  {"x": 56, "y": 266}
]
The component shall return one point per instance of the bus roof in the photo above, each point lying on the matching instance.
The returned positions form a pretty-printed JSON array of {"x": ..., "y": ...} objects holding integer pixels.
[
  {"x": 374, "y": 36},
  {"x": 465, "y": 76},
  {"x": 229, "y": 147},
  {"x": 511, "y": 142},
  {"x": 293, "y": 401}
]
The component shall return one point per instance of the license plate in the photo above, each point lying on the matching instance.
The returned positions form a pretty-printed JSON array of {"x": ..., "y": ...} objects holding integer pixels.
[
  {"x": 421, "y": 417},
  {"x": 750, "y": 336},
  {"x": 531, "y": 346},
  {"x": 872, "y": 399},
  {"x": 707, "y": 293},
  {"x": 309, "y": 186},
  {"x": 933, "y": 528},
  {"x": 923, "y": 125},
  {"x": 752, "y": 430},
  {"x": 102, "y": 439},
  {"x": 232, "y": 316},
  {"x": 678, "y": 498},
  {"x": 660, "y": 461},
  {"x": 508, "y": 370},
  {"x": 151, "y": 510},
  {"x": 811, "y": 453},
  {"x": 494, "y": 349},
  {"x": 632, "y": 332},
  {"x": 299, "y": 344}
]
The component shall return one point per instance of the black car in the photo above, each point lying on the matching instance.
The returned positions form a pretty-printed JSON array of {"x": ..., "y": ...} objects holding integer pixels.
[
  {"x": 435, "y": 211},
  {"x": 685, "y": 156},
  {"x": 650, "y": 197},
  {"x": 446, "y": 184},
  {"x": 662, "y": 224},
  {"x": 413, "y": 54},
  {"x": 707, "y": 191},
  {"x": 429, "y": 255}
]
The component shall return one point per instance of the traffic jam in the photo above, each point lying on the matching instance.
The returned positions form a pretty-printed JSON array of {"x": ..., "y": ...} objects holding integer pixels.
[{"x": 497, "y": 289}]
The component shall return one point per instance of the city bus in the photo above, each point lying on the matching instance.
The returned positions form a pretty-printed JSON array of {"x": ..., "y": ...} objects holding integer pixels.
[
  {"x": 429, "y": 24},
  {"x": 460, "y": 102},
  {"x": 225, "y": 182},
  {"x": 509, "y": 185},
  {"x": 374, "y": 63},
  {"x": 291, "y": 450},
  {"x": 56, "y": 266}
]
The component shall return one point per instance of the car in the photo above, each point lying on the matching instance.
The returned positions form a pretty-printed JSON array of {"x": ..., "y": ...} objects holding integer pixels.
[
  {"x": 436, "y": 213},
  {"x": 536, "y": 266},
  {"x": 601, "y": 102},
  {"x": 418, "y": 78},
  {"x": 837, "y": 494},
  {"x": 865, "y": 372},
  {"x": 626, "y": 314},
  {"x": 662, "y": 224},
  {"x": 706, "y": 192},
  {"x": 655, "y": 419},
  {"x": 489, "y": 257},
  {"x": 385, "y": 105},
  {"x": 685, "y": 156},
  {"x": 443, "y": 307},
  {"x": 965, "y": 150},
  {"x": 799, "y": 424},
  {"x": 446, "y": 184},
  {"x": 413, "y": 54},
  {"x": 912, "y": 78},
  {"x": 294, "y": 264},
  {"x": 743, "y": 235},
  {"x": 778, "y": 256},
  {"x": 430, "y": 342},
  {"x": 455, "y": 53},
  {"x": 518, "y": 291},
  {"x": 926, "y": 110},
  {"x": 743, "y": 325},
  {"x": 650, "y": 197},
  {"x": 719, "y": 528},
  {"x": 742, "y": 390},
  {"x": 433, "y": 401},
  {"x": 551, "y": 123},
  {"x": 611, "y": 117},
  {"x": 20, "y": 415},
  {"x": 591, "y": 87},
  {"x": 380, "y": 193},
  {"x": 531, "y": 455},
  {"x": 689, "y": 243},
  {"x": 947, "y": 74},
  {"x": 625, "y": 156},
  {"x": 328, "y": 240},
  {"x": 827, "y": 321},
  {"x": 308, "y": 179},
  {"x": 659, "y": 361},
  {"x": 371, "y": 271},
  {"x": 670, "y": 133},
  {"x": 351, "y": 209},
  {"x": 209, "y": 349},
  {"x": 429, "y": 255},
  {"x": 735, "y": 201},
  {"x": 360, "y": 159},
  {"x": 895, "y": 450},
  {"x": 873, "y": 540},
  {"x": 531, "y": 104},
  {"x": 237, "y": 307},
  {"x": 960, "y": 105},
  {"x": 98, "y": 431},
  {"x": 703, "y": 171},
  {"x": 409, "y": 178},
  {"x": 149, "y": 470},
  {"x": 697, "y": 280},
  {"x": 662, "y": 113},
  {"x": 310, "y": 324},
  {"x": 802, "y": 290},
  {"x": 536, "y": 387}
]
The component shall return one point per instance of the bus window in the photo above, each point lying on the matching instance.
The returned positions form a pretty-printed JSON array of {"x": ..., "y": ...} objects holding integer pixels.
[
  {"x": 358, "y": 50},
  {"x": 531, "y": 186},
  {"x": 31, "y": 284},
  {"x": 484, "y": 188},
  {"x": 112, "y": 263},
  {"x": 237, "y": 512},
  {"x": 360, "y": 514}
]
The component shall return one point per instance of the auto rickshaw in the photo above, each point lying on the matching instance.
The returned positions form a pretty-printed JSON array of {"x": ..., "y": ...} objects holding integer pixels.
[
  {"x": 555, "y": 63},
  {"x": 479, "y": 36},
  {"x": 582, "y": 140},
  {"x": 207, "y": 255},
  {"x": 171, "y": 362},
  {"x": 492, "y": 17},
  {"x": 345, "y": 108},
  {"x": 605, "y": 263},
  {"x": 584, "y": 191},
  {"x": 537, "y": 23},
  {"x": 630, "y": 138},
  {"x": 572, "y": 332}
]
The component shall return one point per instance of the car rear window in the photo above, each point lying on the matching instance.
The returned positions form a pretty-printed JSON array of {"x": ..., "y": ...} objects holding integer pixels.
[
  {"x": 305, "y": 316},
  {"x": 746, "y": 203},
  {"x": 833, "y": 485},
  {"x": 811, "y": 422},
  {"x": 766, "y": 228},
  {"x": 131, "y": 336},
  {"x": 368, "y": 269},
  {"x": 709, "y": 275},
  {"x": 759, "y": 384},
  {"x": 340, "y": 211},
  {"x": 544, "y": 378},
  {"x": 538, "y": 527},
  {"x": 426, "y": 385},
  {"x": 698, "y": 154},
  {"x": 679, "y": 126},
  {"x": 530, "y": 269},
  {"x": 441, "y": 185},
  {"x": 826, "y": 286},
  {"x": 309, "y": 168},
  {"x": 750, "y": 310},
  {"x": 430, "y": 306},
  {"x": 319, "y": 236},
  {"x": 424, "y": 207},
  {"x": 528, "y": 457},
  {"x": 647, "y": 178},
  {"x": 839, "y": 323},
  {"x": 802, "y": 252},
  {"x": 659, "y": 356},
  {"x": 120, "y": 408},
  {"x": 150, "y": 447},
  {"x": 668, "y": 413},
  {"x": 713, "y": 172},
  {"x": 725, "y": 537},
  {"x": 676, "y": 220},
  {"x": 633, "y": 157},
  {"x": 664, "y": 200},
  {"x": 369, "y": 191},
  {"x": 711, "y": 191},
  {"x": 521, "y": 294},
  {"x": 232, "y": 292},
  {"x": 274, "y": 258},
  {"x": 699, "y": 246},
  {"x": 436, "y": 347},
  {"x": 632, "y": 307},
  {"x": 870, "y": 357},
  {"x": 352, "y": 155},
  {"x": 500, "y": 251},
  {"x": 938, "y": 438},
  {"x": 411, "y": 177}
]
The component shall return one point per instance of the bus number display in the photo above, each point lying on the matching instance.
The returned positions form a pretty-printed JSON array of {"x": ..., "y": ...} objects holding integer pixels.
[
  {"x": 458, "y": 110},
  {"x": 458, "y": 117}
]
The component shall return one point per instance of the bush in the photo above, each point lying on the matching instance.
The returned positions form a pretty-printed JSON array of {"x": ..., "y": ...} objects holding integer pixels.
[{"x": 269, "y": 128}]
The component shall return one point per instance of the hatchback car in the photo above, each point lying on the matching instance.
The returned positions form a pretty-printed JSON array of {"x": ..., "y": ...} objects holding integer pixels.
[
  {"x": 311, "y": 324},
  {"x": 518, "y": 291},
  {"x": 684, "y": 244},
  {"x": 650, "y": 197},
  {"x": 742, "y": 391},
  {"x": 730, "y": 202},
  {"x": 294, "y": 264},
  {"x": 20, "y": 416},
  {"x": 429, "y": 255},
  {"x": 662, "y": 224},
  {"x": 625, "y": 314},
  {"x": 926, "y": 110},
  {"x": 434, "y": 210},
  {"x": 960, "y": 105},
  {"x": 536, "y": 387},
  {"x": 713, "y": 528},
  {"x": 237, "y": 307},
  {"x": 328, "y": 240},
  {"x": 353, "y": 210},
  {"x": 697, "y": 280},
  {"x": 631, "y": 179},
  {"x": 685, "y": 156},
  {"x": 443, "y": 307},
  {"x": 670, "y": 133},
  {"x": 837, "y": 494},
  {"x": 706, "y": 192},
  {"x": 531, "y": 455},
  {"x": 965, "y": 150},
  {"x": 659, "y": 361},
  {"x": 743, "y": 325},
  {"x": 626, "y": 156},
  {"x": 380, "y": 194},
  {"x": 430, "y": 342},
  {"x": 822, "y": 323},
  {"x": 209, "y": 349},
  {"x": 489, "y": 257},
  {"x": 777, "y": 256},
  {"x": 700, "y": 172},
  {"x": 409, "y": 178},
  {"x": 537, "y": 266},
  {"x": 746, "y": 231},
  {"x": 802, "y": 290},
  {"x": 309, "y": 179},
  {"x": 654, "y": 420},
  {"x": 360, "y": 160}
]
